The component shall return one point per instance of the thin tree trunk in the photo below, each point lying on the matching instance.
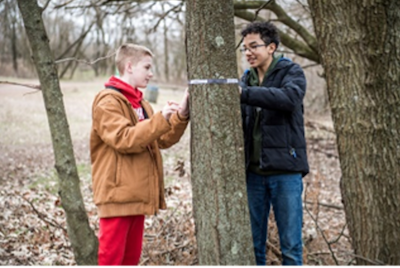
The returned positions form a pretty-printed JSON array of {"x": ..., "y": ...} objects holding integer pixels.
[
  {"x": 14, "y": 47},
  {"x": 77, "y": 42},
  {"x": 360, "y": 49},
  {"x": 71, "y": 75},
  {"x": 221, "y": 214},
  {"x": 166, "y": 52},
  {"x": 71, "y": 62},
  {"x": 83, "y": 240},
  {"x": 14, "y": 39}
]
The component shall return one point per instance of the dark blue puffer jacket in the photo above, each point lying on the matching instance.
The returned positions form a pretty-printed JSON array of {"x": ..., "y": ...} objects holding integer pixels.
[{"x": 281, "y": 119}]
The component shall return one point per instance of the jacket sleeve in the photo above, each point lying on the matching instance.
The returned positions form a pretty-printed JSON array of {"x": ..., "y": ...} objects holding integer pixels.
[
  {"x": 178, "y": 126},
  {"x": 118, "y": 131},
  {"x": 285, "y": 98}
]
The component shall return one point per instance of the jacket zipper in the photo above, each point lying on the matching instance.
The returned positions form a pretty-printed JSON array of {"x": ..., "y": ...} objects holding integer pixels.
[
  {"x": 156, "y": 192},
  {"x": 292, "y": 152}
]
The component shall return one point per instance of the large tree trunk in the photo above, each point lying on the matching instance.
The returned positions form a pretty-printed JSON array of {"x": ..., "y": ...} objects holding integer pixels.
[
  {"x": 83, "y": 240},
  {"x": 218, "y": 176},
  {"x": 359, "y": 43}
]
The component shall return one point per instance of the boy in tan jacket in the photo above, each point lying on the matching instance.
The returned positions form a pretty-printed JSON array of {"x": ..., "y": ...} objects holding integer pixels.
[{"x": 125, "y": 142}]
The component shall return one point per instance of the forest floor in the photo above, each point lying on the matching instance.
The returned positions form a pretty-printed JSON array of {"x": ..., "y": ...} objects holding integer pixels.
[{"x": 32, "y": 222}]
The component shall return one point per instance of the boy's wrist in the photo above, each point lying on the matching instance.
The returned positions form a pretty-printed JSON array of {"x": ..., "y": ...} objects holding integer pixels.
[{"x": 183, "y": 116}]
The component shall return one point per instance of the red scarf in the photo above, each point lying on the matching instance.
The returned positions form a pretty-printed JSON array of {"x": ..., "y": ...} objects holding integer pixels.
[{"x": 133, "y": 95}]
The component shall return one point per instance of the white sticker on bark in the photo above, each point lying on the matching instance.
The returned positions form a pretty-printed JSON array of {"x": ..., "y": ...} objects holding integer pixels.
[{"x": 219, "y": 41}]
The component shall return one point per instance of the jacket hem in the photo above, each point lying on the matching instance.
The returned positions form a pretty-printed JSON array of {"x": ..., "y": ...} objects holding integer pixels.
[{"x": 124, "y": 209}]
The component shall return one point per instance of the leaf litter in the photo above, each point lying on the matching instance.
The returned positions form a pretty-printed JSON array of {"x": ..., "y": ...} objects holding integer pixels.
[{"x": 33, "y": 227}]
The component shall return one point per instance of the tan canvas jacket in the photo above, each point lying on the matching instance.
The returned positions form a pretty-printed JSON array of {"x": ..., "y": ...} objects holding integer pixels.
[{"x": 127, "y": 171}]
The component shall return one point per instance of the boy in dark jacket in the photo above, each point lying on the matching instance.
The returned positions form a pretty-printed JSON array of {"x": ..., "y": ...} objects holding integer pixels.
[{"x": 272, "y": 93}]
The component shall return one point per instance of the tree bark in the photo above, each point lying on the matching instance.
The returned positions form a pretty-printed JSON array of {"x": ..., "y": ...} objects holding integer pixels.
[
  {"x": 220, "y": 206},
  {"x": 84, "y": 242},
  {"x": 359, "y": 44}
]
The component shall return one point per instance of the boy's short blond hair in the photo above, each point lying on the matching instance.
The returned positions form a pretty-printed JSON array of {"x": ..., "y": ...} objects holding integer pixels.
[{"x": 131, "y": 52}]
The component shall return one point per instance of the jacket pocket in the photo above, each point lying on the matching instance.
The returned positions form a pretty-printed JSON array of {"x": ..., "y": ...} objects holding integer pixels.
[{"x": 133, "y": 177}]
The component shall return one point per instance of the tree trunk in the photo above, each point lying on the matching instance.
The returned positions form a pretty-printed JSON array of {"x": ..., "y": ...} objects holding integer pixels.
[
  {"x": 166, "y": 50},
  {"x": 14, "y": 39},
  {"x": 221, "y": 214},
  {"x": 71, "y": 75},
  {"x": 84, "y": 242},
  {"x": 14, "y": 49},
  {"x": 360, "y": 49},
  {"x": 71, "y": 62}
]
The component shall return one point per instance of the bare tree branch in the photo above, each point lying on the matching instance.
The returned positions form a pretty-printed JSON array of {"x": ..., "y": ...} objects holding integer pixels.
[
  {"x": 376, "y": 262},
  {"x": 348, "y": 253},
  {"x": 255, "y": 17},
  {"x": 77, "y": 41},
  {"x": 46, "y": 5},
  {"x": 261, "y": 8},
  {"x": 325, "y": 205},
  {"x": 106, "y": 3},
  {"x": 340, "y": 235},
  {"x": 43, "y": 216},
  {"x": 309, "y": 65},
  {"x": 23, "y": 85},
  {"x": 316, "y": 125},
  {"x": 282, "y": 17},
  {"x": 84, "y": 61},
  {"x": 74, "y": 7},
  {"x": 320, "y": 230},
  {"x": 69, "y": 64},
  {"x": 127, "y": 10},
  {"x": 173, "y": 249},
  {"x": 305, "y": 7},
  {"x": 176, "y": 9},
  {"x": 325, "y": 153},
  {"x": 63, "y": 5},
  {"x": 277, "y": 252}
]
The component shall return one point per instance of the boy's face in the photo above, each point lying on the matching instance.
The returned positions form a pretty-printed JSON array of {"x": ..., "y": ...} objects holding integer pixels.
[
  {"x": 140, "y": 73},
  {"x": 258, "y": 54}
]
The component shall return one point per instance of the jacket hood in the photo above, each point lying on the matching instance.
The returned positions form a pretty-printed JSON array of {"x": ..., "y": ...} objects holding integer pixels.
[
  {"x": 109, "y": 91},
  {"x": 134, "y": 95}
]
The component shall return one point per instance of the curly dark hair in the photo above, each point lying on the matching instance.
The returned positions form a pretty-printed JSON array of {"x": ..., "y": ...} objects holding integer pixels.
[{"x": 268, "y": 32}]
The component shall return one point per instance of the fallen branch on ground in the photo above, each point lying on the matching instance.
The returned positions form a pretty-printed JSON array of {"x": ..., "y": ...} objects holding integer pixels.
[
  {"x": 320, "y": 230},
  {"x": 325, "y": 205},
  {"x": 43, "y": 217}
]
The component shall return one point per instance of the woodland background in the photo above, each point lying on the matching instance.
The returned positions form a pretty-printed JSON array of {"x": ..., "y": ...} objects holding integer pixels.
[{"x": 83, "y": 37}]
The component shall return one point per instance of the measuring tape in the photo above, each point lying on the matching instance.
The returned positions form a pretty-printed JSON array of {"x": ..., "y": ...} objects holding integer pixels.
[{"x": 213, "y": 81}]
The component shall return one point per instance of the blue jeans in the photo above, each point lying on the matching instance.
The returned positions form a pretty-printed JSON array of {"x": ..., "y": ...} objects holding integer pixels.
[{"x": 283, "y": 192}]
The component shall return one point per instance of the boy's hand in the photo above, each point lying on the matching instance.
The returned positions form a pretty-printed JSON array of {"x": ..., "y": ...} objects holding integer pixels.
[
  {"x": 184, "y": 105},
  {"x": 169, "y": 109}
]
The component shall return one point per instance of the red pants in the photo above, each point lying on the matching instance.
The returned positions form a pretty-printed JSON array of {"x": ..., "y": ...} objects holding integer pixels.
[{"x": 120, "y": 240}]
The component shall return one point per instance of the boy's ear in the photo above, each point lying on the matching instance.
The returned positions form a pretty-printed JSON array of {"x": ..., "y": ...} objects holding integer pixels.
[
  {"x": 272, "y": 47},
  {"x": 128, "y": 67}
]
